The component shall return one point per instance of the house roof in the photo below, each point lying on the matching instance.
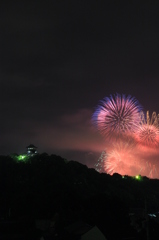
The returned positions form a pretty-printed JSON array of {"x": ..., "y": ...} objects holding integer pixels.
[
  {"x": 93, "y": 234},
  {"x": 85, "y": 231},
  {"x": 78, "y": 228}
]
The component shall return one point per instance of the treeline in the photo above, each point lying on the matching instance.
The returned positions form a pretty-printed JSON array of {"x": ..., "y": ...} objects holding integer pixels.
[{"x": 48, "y": 185}]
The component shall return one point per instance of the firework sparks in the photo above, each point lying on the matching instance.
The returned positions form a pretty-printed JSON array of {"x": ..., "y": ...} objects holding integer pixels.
[
  {"x": 149, "y": 169},
  {"x": 148, "y": 132},
  {"x": 121, "y": 160},
  {"x": 99, "y": 164},
  {"x": 132, "y": 138},
  {"x": 117, "y": 115}
]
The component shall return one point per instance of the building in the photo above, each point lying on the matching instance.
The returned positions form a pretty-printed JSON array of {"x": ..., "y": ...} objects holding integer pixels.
[{"x": 31, "y": 150}]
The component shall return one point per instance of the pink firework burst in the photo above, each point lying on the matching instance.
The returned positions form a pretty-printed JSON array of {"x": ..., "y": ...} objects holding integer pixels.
[
  {"x": 121, "y": 160},
  {"x": 148, "y": 132},
  {"x": 117, "y": 115}
]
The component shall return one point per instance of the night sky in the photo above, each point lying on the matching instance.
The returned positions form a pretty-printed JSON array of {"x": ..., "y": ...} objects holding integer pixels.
[{"x": 59, "y": 58}]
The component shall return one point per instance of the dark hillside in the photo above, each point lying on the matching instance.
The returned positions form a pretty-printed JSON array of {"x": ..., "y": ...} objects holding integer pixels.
[{"x": 47, "y": 185}]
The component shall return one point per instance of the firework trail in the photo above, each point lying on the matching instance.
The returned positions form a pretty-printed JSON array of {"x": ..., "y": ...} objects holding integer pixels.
[
  {"x": 117, "y": 115},
  {"x": 149, "y": 169},
  {"x": 153, "y": 172},
  {"x": 148, "y": 132}
]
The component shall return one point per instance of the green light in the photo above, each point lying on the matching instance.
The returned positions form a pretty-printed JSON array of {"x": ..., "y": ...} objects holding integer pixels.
[
  {"x": 138, "y": 177},
  {"x": 22, "y": 158}
]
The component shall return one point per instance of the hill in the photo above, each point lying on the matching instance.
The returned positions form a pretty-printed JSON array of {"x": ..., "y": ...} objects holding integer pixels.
[{"x": 45, "y": 186}]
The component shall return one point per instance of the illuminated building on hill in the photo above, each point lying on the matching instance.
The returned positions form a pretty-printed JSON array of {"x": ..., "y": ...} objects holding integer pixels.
[{"x": 31, "y": 150}]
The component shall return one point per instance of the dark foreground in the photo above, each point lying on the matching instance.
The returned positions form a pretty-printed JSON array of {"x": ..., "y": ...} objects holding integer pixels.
[{"x": 49, "y": 197}]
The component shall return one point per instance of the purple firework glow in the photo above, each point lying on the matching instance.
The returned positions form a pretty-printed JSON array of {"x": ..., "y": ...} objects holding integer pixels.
[{"x": 117, "y": 114}]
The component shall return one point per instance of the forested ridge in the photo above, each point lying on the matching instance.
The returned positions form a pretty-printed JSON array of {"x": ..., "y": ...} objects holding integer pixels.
[{"x": 48, "y": 185}]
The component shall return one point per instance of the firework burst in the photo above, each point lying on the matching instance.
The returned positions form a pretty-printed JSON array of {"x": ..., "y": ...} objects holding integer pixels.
[
  {"x": 117, "y": 115},
  {"x": 121, "y": 159},
  {"x": 148, "y": 132},
  {"x": 132, "y": 137}
]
